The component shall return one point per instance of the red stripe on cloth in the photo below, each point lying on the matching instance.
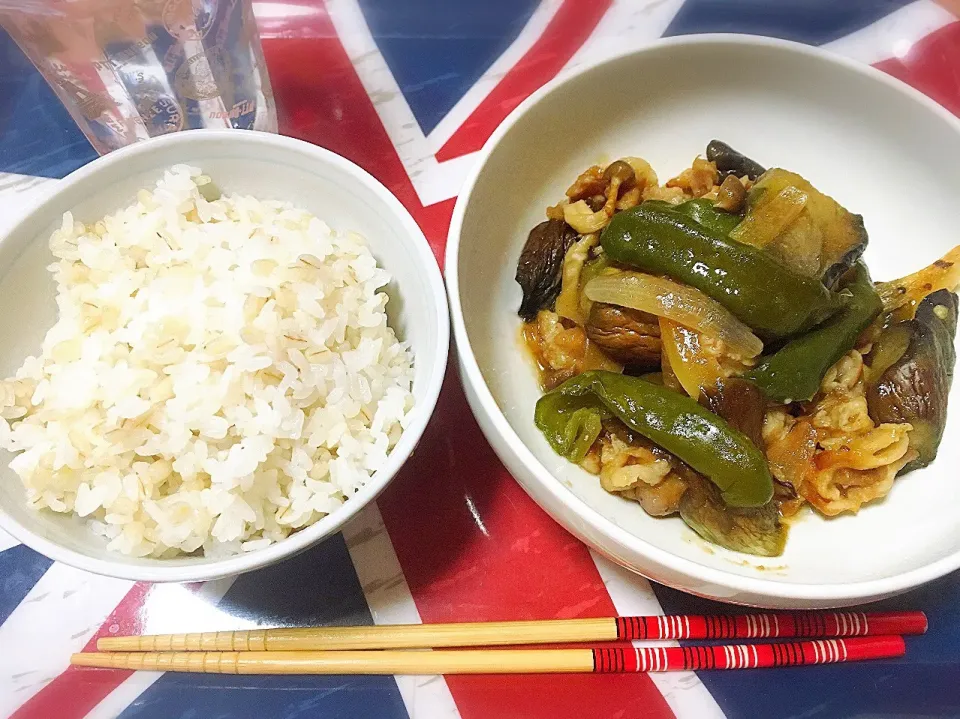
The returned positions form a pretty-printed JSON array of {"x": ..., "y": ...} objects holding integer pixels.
[
  {"x": 474, "y": 547},
  {"x": 73, "y": 693},
  {"x": 321, "y": 100},
  {"x": 931, "y": 66},
  {"x": 564, "y": 35}
]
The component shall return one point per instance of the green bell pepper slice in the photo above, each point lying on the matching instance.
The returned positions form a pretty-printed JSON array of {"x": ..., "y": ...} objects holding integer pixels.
[
  {"x": 795, "y": 371},
  {"x": 702, "y": 212},
  {"x": 669, "y": 419},
  {"x": 765, "y": 295}
]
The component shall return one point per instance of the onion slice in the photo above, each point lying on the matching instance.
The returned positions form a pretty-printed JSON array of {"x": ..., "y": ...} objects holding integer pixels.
[
  {"x": 568, "y": 302},
  {"x": 680, "y": 303},
  {"x": 695, "y": 368},
  {"x": 770, "y": 217},
  {"x": 643, "y": 172},
  {"x": 584, "y": 220}
]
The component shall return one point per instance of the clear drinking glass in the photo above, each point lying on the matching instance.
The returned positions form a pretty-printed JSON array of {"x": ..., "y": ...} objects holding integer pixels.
[{"x": 132, "y": 69}]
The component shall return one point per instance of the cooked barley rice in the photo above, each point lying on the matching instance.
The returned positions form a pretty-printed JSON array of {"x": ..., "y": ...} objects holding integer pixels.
[{"x": 221, "y": 373}]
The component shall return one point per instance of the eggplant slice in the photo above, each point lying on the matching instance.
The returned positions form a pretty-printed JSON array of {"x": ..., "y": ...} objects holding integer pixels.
[
  {"x": 824, "y": 240},
  {"x": 539, "y": 271},
  {"x": 752, "y": 530},
  {"x": 741, "y": 403},
  {"x": 913, "y": 386}
]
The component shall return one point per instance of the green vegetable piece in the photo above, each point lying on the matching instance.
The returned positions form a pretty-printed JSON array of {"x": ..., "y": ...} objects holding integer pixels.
[
  {"x": 671, "y": 420},
  {"x": 914, "y": 387},
  {"x": 591, "y": 268},
  {"x": 580, "y": 431},
  {"x": 795, "y": 371},
  {"x": 702, "y": 212},
  {"x": 762, "y": 293},
  {"x": 594, "y": 268}
]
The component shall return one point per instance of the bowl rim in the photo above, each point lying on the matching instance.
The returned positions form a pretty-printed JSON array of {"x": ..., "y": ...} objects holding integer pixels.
[
  {"x": 333, "y": 522},
  {"x": 834, "y": 592}
]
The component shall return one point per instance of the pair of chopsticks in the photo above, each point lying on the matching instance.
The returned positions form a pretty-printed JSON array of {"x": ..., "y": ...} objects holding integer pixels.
[{"x": 832, "y": 637}]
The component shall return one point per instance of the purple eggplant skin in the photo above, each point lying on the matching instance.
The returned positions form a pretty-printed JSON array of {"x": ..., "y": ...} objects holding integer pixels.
[
  {"x": 741, "y": 403},
  {"x": 751, "y": 530},
  {"x": 540, "y": 269},
  {"x": 914, "y": 386}
]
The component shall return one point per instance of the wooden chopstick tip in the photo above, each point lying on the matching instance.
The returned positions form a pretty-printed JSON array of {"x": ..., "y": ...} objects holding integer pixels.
[{"x": 86, "y": 659}]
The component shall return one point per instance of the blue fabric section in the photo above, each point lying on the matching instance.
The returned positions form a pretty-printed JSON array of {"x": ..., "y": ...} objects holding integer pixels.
[
  {"x": 318, "y": 587},
  {"x": 811, "y": 21},
  {"x": 20, "y": 569},
  {"x": 37, "y": 135},
  {"x": 437, "y": 49},
  {"x": 924, "y": 683}
]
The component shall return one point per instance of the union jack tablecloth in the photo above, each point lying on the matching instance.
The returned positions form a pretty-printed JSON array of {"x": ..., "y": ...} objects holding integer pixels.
[{"x": 410, "y": 90}]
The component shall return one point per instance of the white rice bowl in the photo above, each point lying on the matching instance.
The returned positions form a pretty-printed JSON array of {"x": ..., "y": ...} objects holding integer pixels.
[{"x": 221, "y": 374}]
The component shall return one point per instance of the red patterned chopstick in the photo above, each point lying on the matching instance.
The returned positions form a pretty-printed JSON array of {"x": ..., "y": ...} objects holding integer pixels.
[
  {"x": 505, "y": 661},
  {"x": 746, "y": 656},
  {"x": 550, "y": 631},
  {"x": 778, "y": 625}
]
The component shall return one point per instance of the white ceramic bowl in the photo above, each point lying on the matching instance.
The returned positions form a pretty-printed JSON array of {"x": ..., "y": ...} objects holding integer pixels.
[
  {"x": 268, "y": 167},
  {"x": 879, "y": 147}
]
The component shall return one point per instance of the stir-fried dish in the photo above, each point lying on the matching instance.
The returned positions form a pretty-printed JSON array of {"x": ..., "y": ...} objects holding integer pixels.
[{"x": 715, "y": 347}]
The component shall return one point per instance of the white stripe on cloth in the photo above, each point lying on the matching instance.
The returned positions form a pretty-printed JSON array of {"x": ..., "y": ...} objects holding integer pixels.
[
  {"x": 390, "y": 602},
  {"x": 433, "y": 181},
  {"x": 897, "y": 32},
  {"x": 627, "y": 25},
  {"x": 6, "y": 541},
  {"x": 172, "y": 609},
  {"x": 632, "y": 595},
  {"x": 56, "y": 618},
  {"x": 386, "y": 593}
]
